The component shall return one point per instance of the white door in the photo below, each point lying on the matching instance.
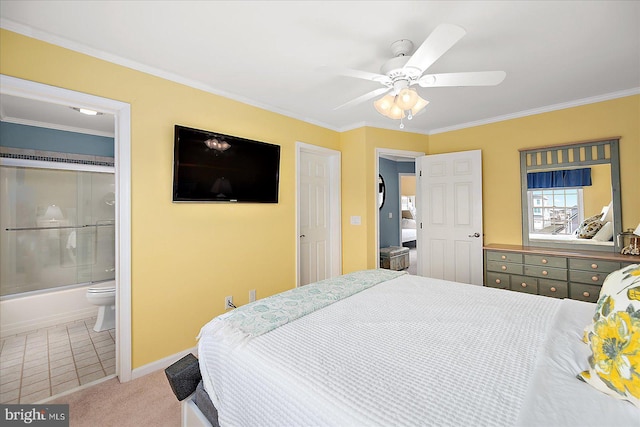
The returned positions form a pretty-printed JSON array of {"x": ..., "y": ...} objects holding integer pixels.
[
  {"x": 450, "y": 216},
  {"x": 318, "y": 230}
]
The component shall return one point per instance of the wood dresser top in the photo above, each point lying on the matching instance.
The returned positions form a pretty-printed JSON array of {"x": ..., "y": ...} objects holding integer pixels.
[{"x": 608, "y": 256}]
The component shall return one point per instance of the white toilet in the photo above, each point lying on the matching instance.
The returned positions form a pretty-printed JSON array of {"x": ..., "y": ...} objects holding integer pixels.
[{"x": 105, "y": 298}]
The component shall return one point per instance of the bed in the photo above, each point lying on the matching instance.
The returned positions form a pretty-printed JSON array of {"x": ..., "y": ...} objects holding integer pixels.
[
  {"x": 381, "y": 347},
  {"x": 408, "y": 227}
]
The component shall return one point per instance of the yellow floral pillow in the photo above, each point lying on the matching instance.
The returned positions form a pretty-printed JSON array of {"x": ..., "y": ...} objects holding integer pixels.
[{"x": 614, "y": 337}]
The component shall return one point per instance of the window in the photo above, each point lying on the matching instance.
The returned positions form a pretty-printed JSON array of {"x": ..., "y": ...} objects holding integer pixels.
[{"x": 555, "y": 210}]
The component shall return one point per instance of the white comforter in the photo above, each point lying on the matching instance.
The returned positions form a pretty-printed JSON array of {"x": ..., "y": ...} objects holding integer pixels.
[
  {"x": 411, "y": 351},
  {"x": 409, "y": 235}
]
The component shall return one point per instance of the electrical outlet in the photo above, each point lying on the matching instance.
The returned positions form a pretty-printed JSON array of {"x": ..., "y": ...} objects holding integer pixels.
[
  {"x": 228, "y": 303},
  {"x": 252, "y": 295}
]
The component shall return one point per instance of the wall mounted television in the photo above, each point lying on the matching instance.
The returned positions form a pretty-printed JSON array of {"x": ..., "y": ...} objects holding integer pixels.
[{"x": 212, "y": 167}]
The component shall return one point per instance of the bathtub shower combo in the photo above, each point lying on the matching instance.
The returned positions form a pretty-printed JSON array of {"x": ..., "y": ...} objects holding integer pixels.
[{"x": 57, "y": 243}]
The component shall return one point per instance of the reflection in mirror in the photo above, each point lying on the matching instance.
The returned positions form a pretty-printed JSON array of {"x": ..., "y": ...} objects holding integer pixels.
[
  {"x": 381, "y": 192},
  {"x": 570, "y": 195}
]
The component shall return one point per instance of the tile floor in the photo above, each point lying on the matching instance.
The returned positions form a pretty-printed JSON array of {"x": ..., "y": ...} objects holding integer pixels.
[{"x": 39, "y": 364}]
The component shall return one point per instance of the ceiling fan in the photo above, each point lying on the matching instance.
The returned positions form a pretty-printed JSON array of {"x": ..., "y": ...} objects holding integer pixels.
[{"x": 403, "y": 71}]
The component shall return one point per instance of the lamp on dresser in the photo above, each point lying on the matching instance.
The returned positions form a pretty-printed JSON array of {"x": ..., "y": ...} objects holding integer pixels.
[{"x": 633, "y": 236}]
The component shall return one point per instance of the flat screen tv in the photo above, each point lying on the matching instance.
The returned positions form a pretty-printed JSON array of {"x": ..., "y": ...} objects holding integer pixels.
[{"x": 212, "y": 167}]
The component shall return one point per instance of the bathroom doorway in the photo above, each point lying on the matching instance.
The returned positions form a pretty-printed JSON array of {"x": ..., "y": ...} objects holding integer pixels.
[{"x": 120, "y": 365}]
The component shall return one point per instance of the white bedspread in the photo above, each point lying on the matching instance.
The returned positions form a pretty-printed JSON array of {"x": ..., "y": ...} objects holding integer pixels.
[
  {"x": 562, "y": 356},
  {"x": 410, "y": 351}
]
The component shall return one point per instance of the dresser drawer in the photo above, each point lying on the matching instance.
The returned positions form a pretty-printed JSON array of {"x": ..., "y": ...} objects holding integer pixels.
[
  {"x": 504, "y": 256},
  {"x": 545, "y": 272},
  {"x": 592, "y": 278},
  {"x": 497, "y": 280},
  {"x": 547, "y": 261},
  {"x": 593, "y": 265},
  {"x": 553, "y": 288},
  {"x": 524, "y": 284},
  {"x": 504, "y": 267},
  {"x": 582, "y": 292}
]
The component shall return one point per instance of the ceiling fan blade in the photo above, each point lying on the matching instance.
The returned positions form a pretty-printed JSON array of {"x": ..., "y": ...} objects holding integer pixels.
[
  {"x": 474, "y": 78},
  {"x": 363, "y": 98},
  {"x": 438, "y": 42},
  {"x": 365, "y": 75}
]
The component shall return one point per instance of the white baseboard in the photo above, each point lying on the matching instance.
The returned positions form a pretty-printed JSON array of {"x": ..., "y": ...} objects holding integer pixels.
[{"x": 161, "y": 364}]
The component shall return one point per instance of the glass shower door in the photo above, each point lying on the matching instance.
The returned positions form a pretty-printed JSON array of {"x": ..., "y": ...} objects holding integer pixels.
[{"x": 57, "y": 228}]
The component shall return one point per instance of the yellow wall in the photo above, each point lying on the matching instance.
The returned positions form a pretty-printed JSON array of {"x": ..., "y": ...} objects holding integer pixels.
[
  {"x": 187, "y": 257},
  {"x": 597, "y": 195},
  {"x": 354, "y": 199},
  {"x": 408, "y": 185},
  {"x": 500, "y": 142}
]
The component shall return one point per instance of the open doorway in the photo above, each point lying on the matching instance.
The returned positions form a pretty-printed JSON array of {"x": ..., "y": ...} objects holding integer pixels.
[
  {"x": 396, "y": 217},
  {"x": 120, "y": 112}
]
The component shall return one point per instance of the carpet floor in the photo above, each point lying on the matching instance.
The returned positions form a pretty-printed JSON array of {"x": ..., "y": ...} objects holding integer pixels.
[{"x": 145, "y": 401}]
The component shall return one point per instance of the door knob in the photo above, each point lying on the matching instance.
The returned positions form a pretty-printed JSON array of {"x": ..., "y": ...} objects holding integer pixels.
[
  {"x": 302, "y": 235},
  {"x": 474, "y": 235}
]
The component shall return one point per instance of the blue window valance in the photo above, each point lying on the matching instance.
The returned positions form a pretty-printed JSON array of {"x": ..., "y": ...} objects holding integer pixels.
[{"x": 559, "y": 178}]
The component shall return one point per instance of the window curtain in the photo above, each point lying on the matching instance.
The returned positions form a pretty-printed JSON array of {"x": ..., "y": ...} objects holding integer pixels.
[{"x": 559, "y": 178}]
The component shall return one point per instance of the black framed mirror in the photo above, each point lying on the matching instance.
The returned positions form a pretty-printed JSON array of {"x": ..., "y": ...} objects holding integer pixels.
[{"x": 381, "y": 192}]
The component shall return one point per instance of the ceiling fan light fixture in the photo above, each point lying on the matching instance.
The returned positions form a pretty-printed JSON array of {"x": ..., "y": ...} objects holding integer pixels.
[
  {"x": 395, "y": 112},
  {"x": 419, "y": 105},
  {"x": 384, "y": 104},
  {"x": 407, "y": 98}
]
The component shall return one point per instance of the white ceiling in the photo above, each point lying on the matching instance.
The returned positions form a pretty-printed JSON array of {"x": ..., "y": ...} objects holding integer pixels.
[
  {"x": 31, "y": 112},
  {"x": 269, "y": 53}
]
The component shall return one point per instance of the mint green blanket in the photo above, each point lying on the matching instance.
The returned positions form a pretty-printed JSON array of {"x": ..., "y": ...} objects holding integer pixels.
[{"x": 257, "y": 318}]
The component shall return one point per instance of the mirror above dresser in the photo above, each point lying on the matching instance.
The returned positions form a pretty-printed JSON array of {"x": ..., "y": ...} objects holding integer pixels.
[{"x": 571, "y": 196}]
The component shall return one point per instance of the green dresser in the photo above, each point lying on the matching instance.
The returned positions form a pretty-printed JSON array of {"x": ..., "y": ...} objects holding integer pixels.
[{"x": 542, "y": 271}]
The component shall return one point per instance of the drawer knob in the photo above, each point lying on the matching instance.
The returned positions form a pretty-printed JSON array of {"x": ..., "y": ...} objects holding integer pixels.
[
  {"x": 544, "y": 260},
  {"x": 523, "y": 284},
  {"x": 594, "y": 278},
  {"x": 553, "y": 289},
  {"x": 545, "y": 272},
  {"x": 594, "y": 266},
  {"x": 586, "y": 294},
  {"x": 498, "y": 281},
  {"x": 503, "y": 257},
  {"x": 504, "y": 267}
]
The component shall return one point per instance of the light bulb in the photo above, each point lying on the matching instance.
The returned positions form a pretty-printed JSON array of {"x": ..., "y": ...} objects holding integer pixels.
[
  {"x": 407, "y": 98},
  {"x": 395, "y": 112},
  {"x": 384, "y": 104}
]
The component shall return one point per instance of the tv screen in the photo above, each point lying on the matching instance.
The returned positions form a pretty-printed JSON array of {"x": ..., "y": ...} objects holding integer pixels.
[{"x": 212, "y": 167}]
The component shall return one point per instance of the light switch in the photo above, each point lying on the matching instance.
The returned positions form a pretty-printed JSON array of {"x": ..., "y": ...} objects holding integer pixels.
[
  {"x": 355, "y": 220},
  {"x": 390, "y": 214}
]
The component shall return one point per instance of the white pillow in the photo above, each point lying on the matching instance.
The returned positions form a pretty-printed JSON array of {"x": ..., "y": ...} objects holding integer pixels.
[{"x": 605, "y": 233}]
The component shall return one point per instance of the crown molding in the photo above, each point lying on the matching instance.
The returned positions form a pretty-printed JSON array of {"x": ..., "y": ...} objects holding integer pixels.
[
  {"x": 546, "y": 109},
  {"x": 116, "y": 59},
  {"x": 79, "y": 47}
]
